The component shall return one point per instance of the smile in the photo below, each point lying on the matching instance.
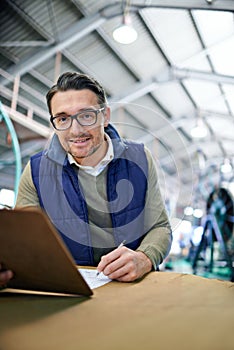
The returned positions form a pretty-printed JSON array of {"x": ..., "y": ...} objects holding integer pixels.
[{"x": 80, "y": 140}]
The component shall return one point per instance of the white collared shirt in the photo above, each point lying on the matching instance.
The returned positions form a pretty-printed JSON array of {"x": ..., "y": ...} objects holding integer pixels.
[{"x": 97, "y": 169}]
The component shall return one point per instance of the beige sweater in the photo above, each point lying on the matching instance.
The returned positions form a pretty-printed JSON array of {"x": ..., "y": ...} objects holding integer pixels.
[{"x": 155, "y": 244}]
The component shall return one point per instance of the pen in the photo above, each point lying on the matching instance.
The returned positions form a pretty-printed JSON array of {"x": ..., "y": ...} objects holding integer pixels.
[{"x": 119, "y": 246}]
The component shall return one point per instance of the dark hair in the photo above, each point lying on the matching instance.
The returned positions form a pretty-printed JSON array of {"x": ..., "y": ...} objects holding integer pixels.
[{"x": 76, "y": 81}]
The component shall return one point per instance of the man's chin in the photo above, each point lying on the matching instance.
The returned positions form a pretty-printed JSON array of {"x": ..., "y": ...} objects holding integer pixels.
[
  {"x": 85, "y": 156},
  {"x": 79, "y": 155},
  {"x": 79, "y": 152}
]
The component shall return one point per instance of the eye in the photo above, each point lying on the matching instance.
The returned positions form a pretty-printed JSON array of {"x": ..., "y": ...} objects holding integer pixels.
[
  {"x": 62, "y": 119},
  {"x": 87, "y": 116}
]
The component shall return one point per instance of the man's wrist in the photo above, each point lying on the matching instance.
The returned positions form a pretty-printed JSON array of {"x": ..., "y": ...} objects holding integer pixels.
[{"x": 147, "y": 262}]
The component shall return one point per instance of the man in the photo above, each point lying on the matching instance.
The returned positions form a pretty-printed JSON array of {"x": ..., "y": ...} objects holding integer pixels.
[{"x": 98, "y": 189}]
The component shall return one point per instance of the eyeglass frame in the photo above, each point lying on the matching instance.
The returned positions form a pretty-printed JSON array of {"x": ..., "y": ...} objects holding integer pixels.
[{"x": 75, "y": 116}]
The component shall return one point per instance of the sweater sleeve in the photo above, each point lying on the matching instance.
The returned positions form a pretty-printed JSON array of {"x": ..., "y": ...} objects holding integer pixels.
[
  {"x": 27, "y": 195},
  {"x": 157, "y": 242}
]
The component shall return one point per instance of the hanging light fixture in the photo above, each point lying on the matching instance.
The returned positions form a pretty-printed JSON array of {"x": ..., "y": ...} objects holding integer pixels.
[
  {"x": 188, "y": 211},
  {"x": 199, "y": 130},
  {"x": 198, "y": 213},
  {"x": 125, "y": 33},
  {"x": 226, "y": 167}
]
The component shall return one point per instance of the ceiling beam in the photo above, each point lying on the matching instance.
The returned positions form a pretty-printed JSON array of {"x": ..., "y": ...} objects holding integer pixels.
[
  {"x": 182, "y": 73},
  {"x": 136, "y": 91},
  {"x": 67, "y": 38},
  {"x": 25, "y": 103},
  {"x": 24, "y": 43},
  {"x": 29, "y": 20},
  {"x": 158, "y": 133},
  {"x": 225, "y": 5},
  {"x": 28, "y": 123},
  {"x": 144, "y": 87}
]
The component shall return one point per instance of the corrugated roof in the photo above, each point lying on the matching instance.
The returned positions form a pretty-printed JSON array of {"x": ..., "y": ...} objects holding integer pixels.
[{"x": 179, "y": 68}]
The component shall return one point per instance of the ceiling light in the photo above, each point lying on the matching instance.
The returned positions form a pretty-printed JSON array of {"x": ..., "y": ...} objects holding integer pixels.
[
  {"x": 125, "y": 34},
  {"x": 226, "y": 167},
  {"x": 188, "y": 211},
  {"x": 199, "y": 130},
  {"x": 197, "y": 213}
]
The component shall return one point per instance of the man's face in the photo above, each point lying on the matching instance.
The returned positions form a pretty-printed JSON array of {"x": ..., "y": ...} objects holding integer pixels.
[{"x": 85, "y": 143}]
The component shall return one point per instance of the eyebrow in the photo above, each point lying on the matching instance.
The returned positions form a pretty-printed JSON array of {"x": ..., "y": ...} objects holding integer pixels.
[{"x": 81, "y": 110}]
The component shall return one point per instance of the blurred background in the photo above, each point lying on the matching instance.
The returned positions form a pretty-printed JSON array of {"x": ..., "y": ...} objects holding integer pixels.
[{"x": 167, "y": 67}]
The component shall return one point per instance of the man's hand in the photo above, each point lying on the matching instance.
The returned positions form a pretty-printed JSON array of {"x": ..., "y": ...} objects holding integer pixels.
[
  {"x": 124, "y": 264},
  {"x": 5, "y": 276}
]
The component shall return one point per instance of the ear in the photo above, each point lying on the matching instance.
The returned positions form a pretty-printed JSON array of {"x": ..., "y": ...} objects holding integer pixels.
[{"x": 107, "y": 116}]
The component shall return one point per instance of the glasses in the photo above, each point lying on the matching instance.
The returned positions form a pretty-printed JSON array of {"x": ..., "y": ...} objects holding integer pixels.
[{"x": 87, "y": 117}]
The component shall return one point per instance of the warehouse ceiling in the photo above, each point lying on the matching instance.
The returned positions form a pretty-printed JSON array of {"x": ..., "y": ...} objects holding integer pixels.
[{"x": 178, "y": 74}]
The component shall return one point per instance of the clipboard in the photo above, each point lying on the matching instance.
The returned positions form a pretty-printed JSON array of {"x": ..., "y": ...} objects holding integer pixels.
[{"x": 31, "y": 247}]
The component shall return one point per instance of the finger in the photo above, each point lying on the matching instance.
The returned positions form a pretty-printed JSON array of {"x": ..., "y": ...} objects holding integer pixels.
[
  {"x": 119, "y": 273},
  {"x": 114, "y": 266},
  {"x": 109, "y": 258},
  {"x": 127, "y": 273},
  {"x": 5, "y": 276},
  {"x": 127, "y": 278}
]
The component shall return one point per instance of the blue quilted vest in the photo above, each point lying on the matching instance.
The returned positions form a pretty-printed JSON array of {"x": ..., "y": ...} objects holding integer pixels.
[{"x": 60, "y": 195}]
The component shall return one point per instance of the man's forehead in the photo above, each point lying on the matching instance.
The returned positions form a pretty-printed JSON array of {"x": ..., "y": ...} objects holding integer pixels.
[{"x": 73, "y": 100}]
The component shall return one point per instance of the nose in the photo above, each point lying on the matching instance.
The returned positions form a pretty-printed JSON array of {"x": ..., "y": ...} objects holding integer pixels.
[{"x": 76, "y": 127}]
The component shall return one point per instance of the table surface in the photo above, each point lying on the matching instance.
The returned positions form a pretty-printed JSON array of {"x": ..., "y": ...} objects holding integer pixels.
[{"x": 165, "y": 310}]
